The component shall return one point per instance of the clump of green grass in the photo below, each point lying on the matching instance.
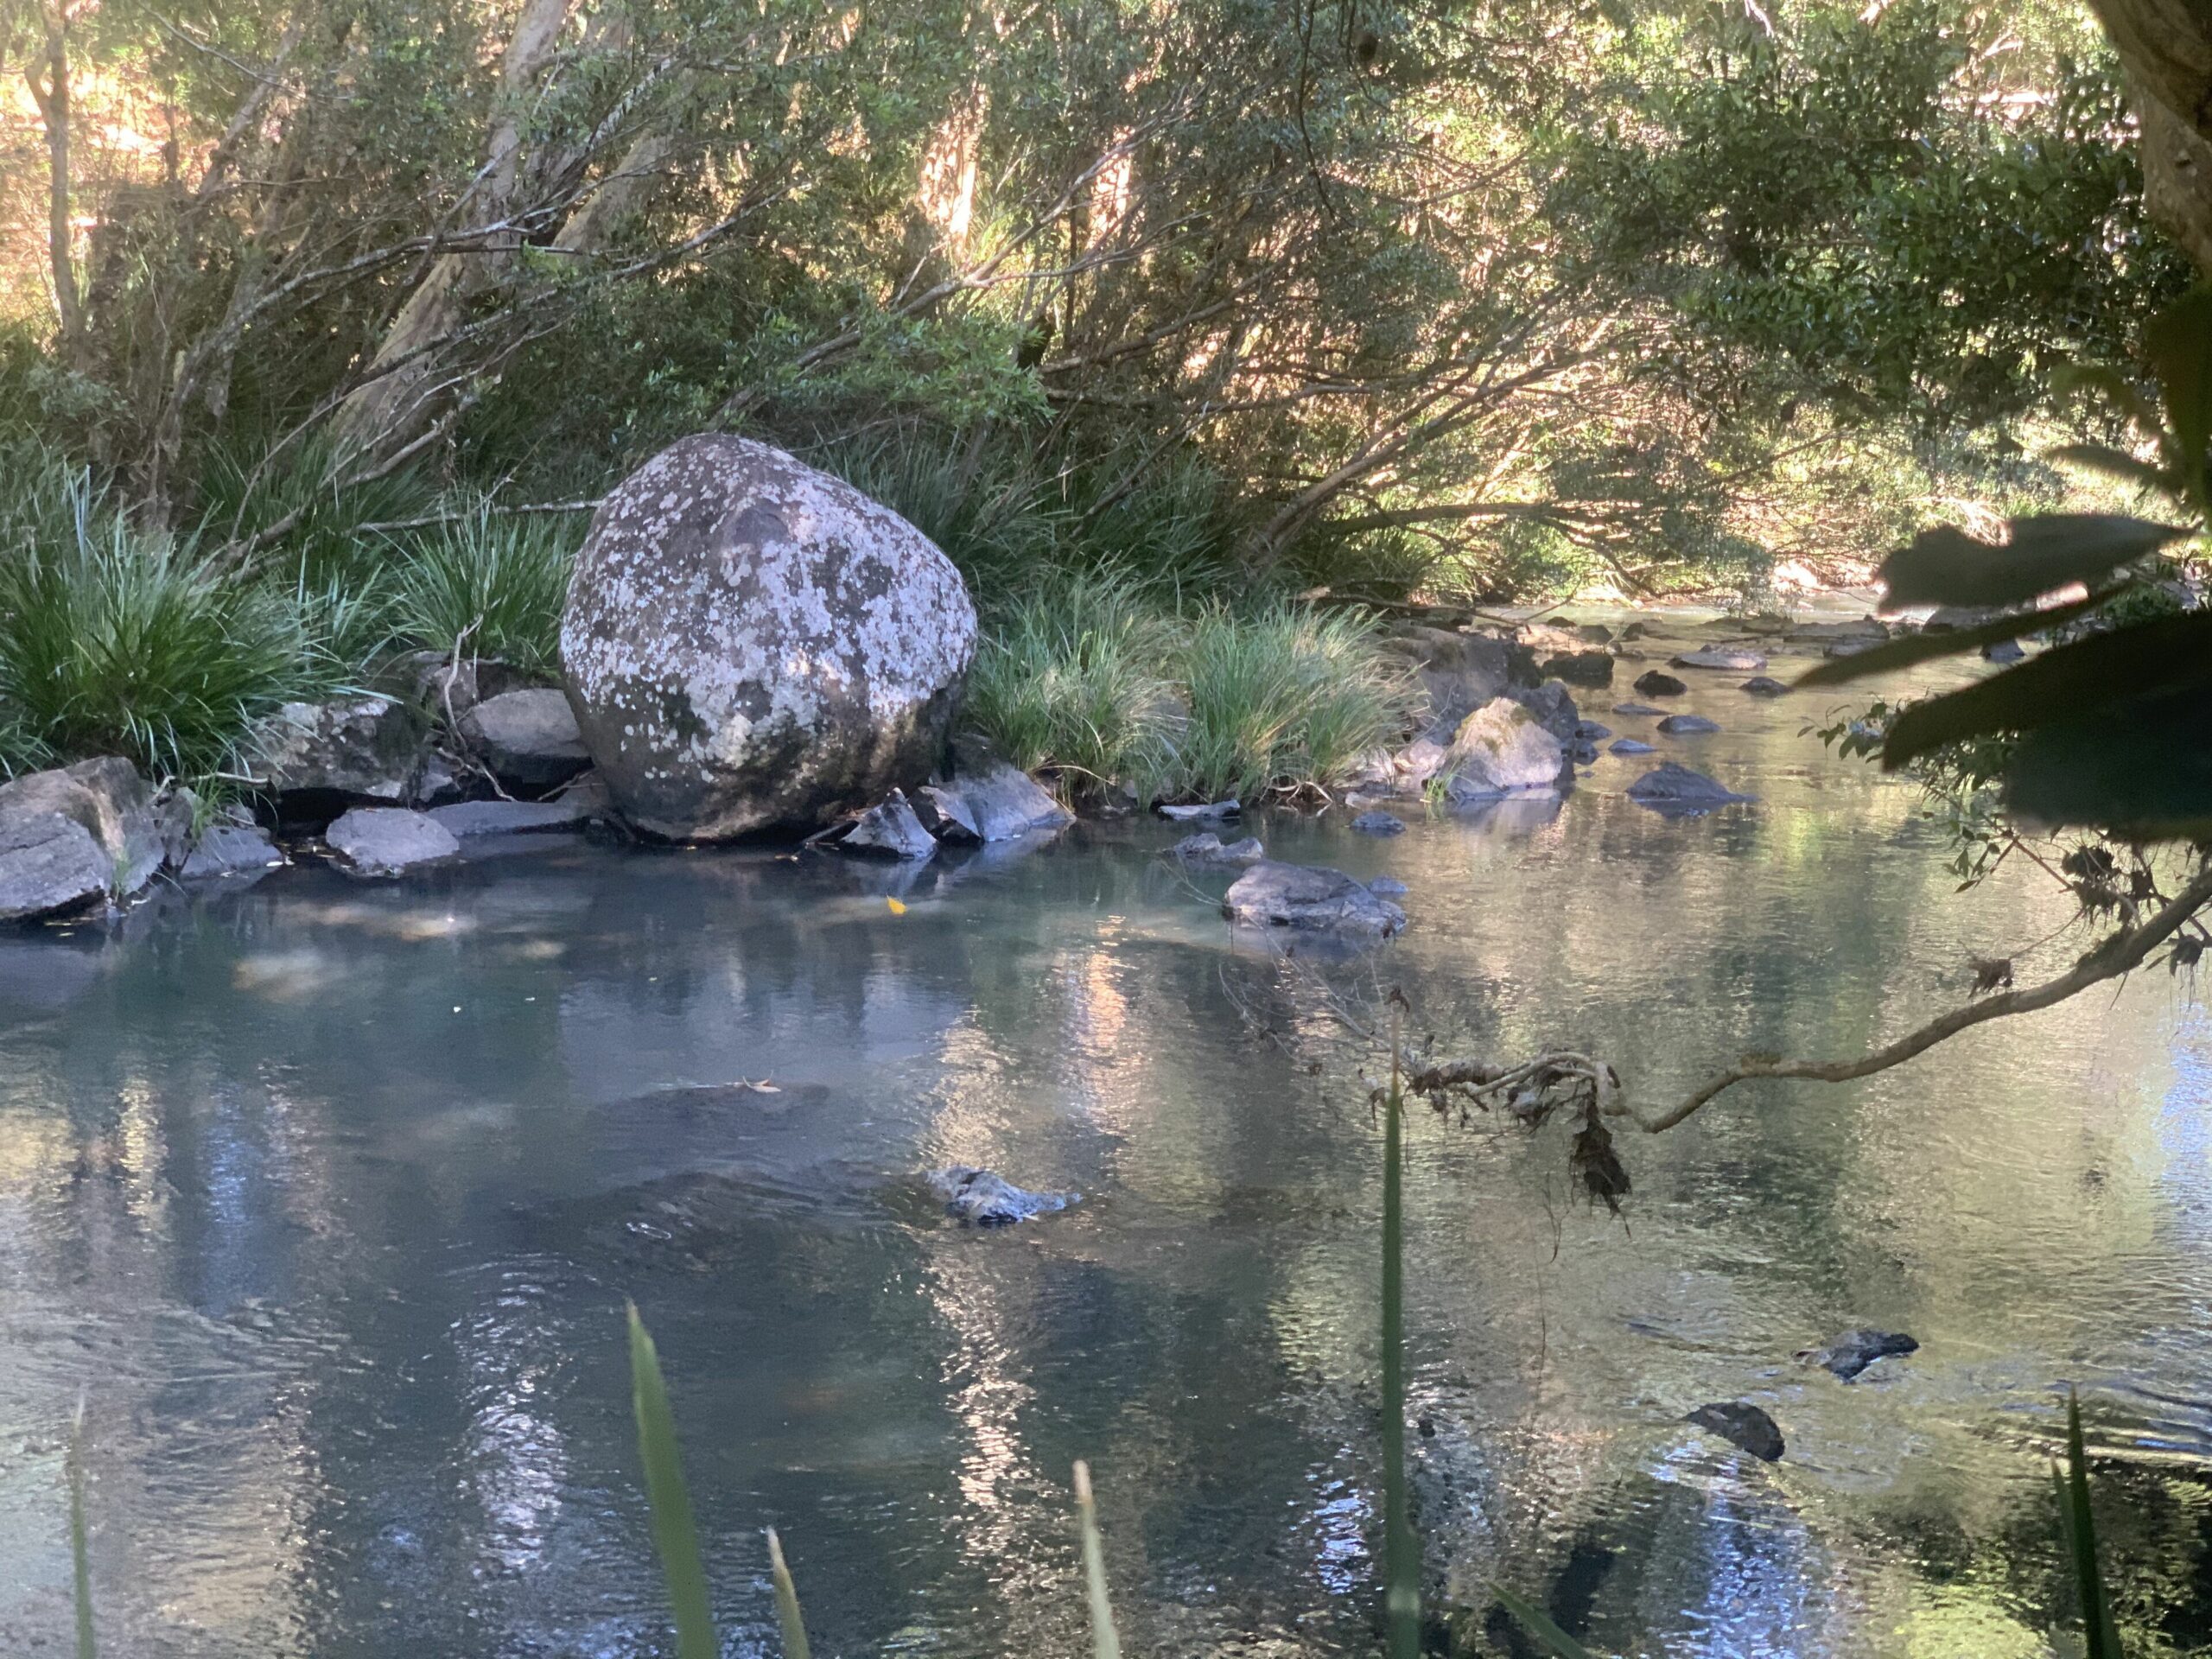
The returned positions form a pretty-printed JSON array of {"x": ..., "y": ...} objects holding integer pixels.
[
  {"x": 115, "y": 640},
  {"x": 1070, "y": 677},
  {"x": 486, "y": 586},
  {"x": 1282, "y": 700}
]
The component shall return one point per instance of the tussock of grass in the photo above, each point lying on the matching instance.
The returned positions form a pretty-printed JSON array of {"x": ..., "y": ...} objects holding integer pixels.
[
  {"x": 489, "y": 587},
  {"x": 1098, "y": 678},
  {"x": 117, "y": 641}
]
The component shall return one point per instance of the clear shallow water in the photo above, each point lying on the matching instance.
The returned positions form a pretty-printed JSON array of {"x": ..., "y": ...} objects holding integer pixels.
[{"x": 327, "y": 1197}]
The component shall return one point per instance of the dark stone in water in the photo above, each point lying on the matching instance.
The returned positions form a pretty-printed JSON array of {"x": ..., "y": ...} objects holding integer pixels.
[
  {"x": 1271, "y": 894},
  {"x": 1584, "y": 668},
  {"x": 2003, "y": 650},
  {"x": 1591, "y": 732},
  {"x": 1636, "y": 708},
  {"x": 1765, "y": 685},
  {"x": 1203, "y": 810},
  {"x": 1741, "y": 1425},
  {"x": 1387, "y": 887},
  {"x": 1656, "y": 684},
  {"x": 1854, "y": 1350},
  {"x": 1677, "y": 791},
  {"x": 1379, "y": 823},
  {"x": 1688, "y": 725},
  {"x": 1206, "y": 847},
  {"x": 976, "y": 1198},
  {"x": 1630, "y": 745}
]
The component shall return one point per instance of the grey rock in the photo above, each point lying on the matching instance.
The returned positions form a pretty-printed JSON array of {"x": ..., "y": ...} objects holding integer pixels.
[
  {"x": 1421, "y": 759},
  {"x": 1500, "y": 748},
  {"x": 45, "y": 869},
  {"x": 2003, "y": 650},
  {"x": 1206, "y": 847},
  {"x": 1596, "y": 633},
  {"x": 49, "y": 863},
  {"x": 528, "y": 739},
  {"x": 443, "y": 782},
  {"x": 1865, "y": 630},
  {"x": 1854, "y": 1350},
  {"x": 890, "y": 830},
  {"x": 1630, "y": 745},
  {"x": 387, "y": 840},
  {"x": 1688, "y": 725},
  {"x": 1272, "y": 894},
  {"x": 1552, "y": 705},
  {"x": 1680, "y": 792},
  {"x": 226, "y": 850},
  {"x": 1591, "y": 732},
  {"x": 1201, "y": 810},
  {"x": 1732, "y": 659},
  {"x": 1593, "y": 669},
  {"x": 1379, "y": 823},
  {"x": 977, "y": 1198},
  {"x": 1387, "y": 887},
  {"x": 466, "y": 819},
  {"x": 1636, "y": 708},
  {"x": 1457, "y": 673},
  {"x": 945, "y": 814},
  {"x": 752, "y": 645},
  {"x": 1760, "y": 685},
  {"x": 353, "y": 749},
  {"x": 1005, "y": 803},
  {"x": 1654, "y": 684},
  {"x": 1741, "y": 1425}
]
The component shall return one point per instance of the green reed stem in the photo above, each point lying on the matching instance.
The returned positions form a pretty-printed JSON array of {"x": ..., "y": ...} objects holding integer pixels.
[
  {"x": 674, "y": 1534},
  {"x": 788, "y": 1616},
  {"x": 1105, "y": 1640}
]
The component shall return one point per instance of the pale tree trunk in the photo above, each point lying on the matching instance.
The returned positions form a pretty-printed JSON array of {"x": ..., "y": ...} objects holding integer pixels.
[
  {"x": 394, "y": 402},
  {"x": 53, "y": 102},
  {"x": 2165, "y": 46}
]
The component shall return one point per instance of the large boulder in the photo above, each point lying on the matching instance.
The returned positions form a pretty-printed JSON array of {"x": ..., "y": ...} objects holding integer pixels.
[
  {"x": 1501, "y": 748},
  {"x": 1457, "y": 673},
  {"x": 527, "y": 740},
  {"x": 75, "y": 835},
  {"x": 751, "y": 644},
  {"x": 353, "y": 749}
]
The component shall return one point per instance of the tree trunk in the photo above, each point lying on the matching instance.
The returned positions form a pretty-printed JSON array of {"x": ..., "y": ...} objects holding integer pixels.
[
  {"x": 53, "y": 102},
  {"x": 2165, "y": 46}
]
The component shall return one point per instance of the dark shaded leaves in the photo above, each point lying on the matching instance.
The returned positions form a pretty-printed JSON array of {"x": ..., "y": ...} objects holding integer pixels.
[
  {"x": 1925, "y": 647},
  {"x": 1946, "y": 566},
  {"x": 2112, "y": 463},
  {"x": 2079, "y": 1528},
  {"x": 2139, "y": 768},
  {"x": 2177, "y": 344}
]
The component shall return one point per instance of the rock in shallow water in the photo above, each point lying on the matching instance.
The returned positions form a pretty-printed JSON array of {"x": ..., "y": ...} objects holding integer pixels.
[
  {"x": 1731, "y": 658},
  {"x": 1379, "y": 823},
  {"x": 1206, "y": 847},
  {"x": 1203, "y": 810},
  {"x": 752, "y": 645},
  {"x": 1387, "y": 887},
  {"x": 1656, "y": 684},
  {"x": 1681, "y": 792},
  {"x": 1636, "y": 708},
  {"x": 1760, "y": 685},
  {"x": 1502, "y": 747},
  {"x": 1003, "y": 803},
  {"x": 890, "y": 830},
  {"x": 230, "y": 849},
  {"x": 466, "y": 818},
  {"x": 74, "y": 835},
  {"x": 979, "y": 1199},
  {"x": 1688, "y": 725},
  {"x": 1742, "y": 1425},
  {"x": 1631, "y": 745},
  {"x": 1272, "y": 894},
  {"x": 387, "y": 840},
  {"x": 1854, "y": 1350}
]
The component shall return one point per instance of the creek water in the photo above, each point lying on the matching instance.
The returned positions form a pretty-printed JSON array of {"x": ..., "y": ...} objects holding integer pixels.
[{"x": 326, "y": 1197}]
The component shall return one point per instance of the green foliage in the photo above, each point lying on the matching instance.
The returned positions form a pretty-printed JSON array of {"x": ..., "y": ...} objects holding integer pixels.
[
  {"x": 674, "y": 1536},
  {"x": 486, "y": 586},
  {"x": 2079, "y": 1524},
  {"x": 292, "y": 503},
  {"x": 117, "y": 641}
]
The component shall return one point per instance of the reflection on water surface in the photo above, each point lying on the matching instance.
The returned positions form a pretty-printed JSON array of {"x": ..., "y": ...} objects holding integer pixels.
[{"x": 329, "y": 1196}]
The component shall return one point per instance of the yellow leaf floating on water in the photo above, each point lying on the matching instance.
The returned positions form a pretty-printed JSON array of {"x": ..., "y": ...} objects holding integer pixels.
[{"x": 897, "y": 909}]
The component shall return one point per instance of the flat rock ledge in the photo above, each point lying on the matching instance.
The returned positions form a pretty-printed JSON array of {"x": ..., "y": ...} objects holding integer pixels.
[
  {"x": 379, "y": 840},
  {"x": 1308, "y": 899}
]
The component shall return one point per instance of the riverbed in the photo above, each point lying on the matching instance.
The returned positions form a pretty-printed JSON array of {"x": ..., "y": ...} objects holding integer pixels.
[{"x": 326, "y": 1197}]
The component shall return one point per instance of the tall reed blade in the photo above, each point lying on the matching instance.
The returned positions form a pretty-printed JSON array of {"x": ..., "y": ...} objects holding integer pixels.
[
  {"x": 1401, "y": 1552},
  {"x": 1533, "y": 1619},
  {"x": 788, "y": 1616},
  {"x": 1105, "y": 1640},
  {"x": 2081, "y": 1529},
  {"x": 80, "y": 1553},
  {"x": 674, "y": 1534}
]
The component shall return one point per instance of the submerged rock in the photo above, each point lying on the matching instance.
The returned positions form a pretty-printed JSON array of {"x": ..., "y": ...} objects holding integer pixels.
[
  {"x": 979, "y": 1198},
  {"x": 1203, "y": 810},
  {"x": 1636, "y": 708},
  {"x": 1591, "y": 732},
  {"x": 1654, "y": 684},
  {"x": 1387, "y": 887},
  {"x": 2003, "y": 650},
  {"x": 946, "y": 814},
  {"x": 1003, "y": 802},
  {"x": 224, "y": 849},
  {"x": 1206, "y": 847},
  {"x": 1631, "y": 745},
  {"x": 387, "y": 840},
  {"x": 355, "y": 749},
  {"x": 1742, "y": 1425},
  {"x": 466, "y": 818},
  {"x": 1681, "y": 792},
  {"x": 1734, "y": 659},
  {"x": 1502, "y": 747},
  {"x": 1760, "y": 685},
  {"x": 1379, "y": 823},
  {"x": 75, "y": 834},
  {"x": 528, "y": 739},
  {"x": 1272, "y": 894},
  {"x": 890, "y": 830},
  {"x": 1688, "y": 725},
  {"x": 1854, "y": 1350},
  {"x": 752, "y": 645}
]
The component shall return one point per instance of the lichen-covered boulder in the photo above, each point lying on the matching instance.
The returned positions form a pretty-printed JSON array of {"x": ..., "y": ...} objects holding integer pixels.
[
  {"x": 367, "y": 748},
  {"x": 1501, "y": 748},
  {"x": 752, "y": 646}
]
